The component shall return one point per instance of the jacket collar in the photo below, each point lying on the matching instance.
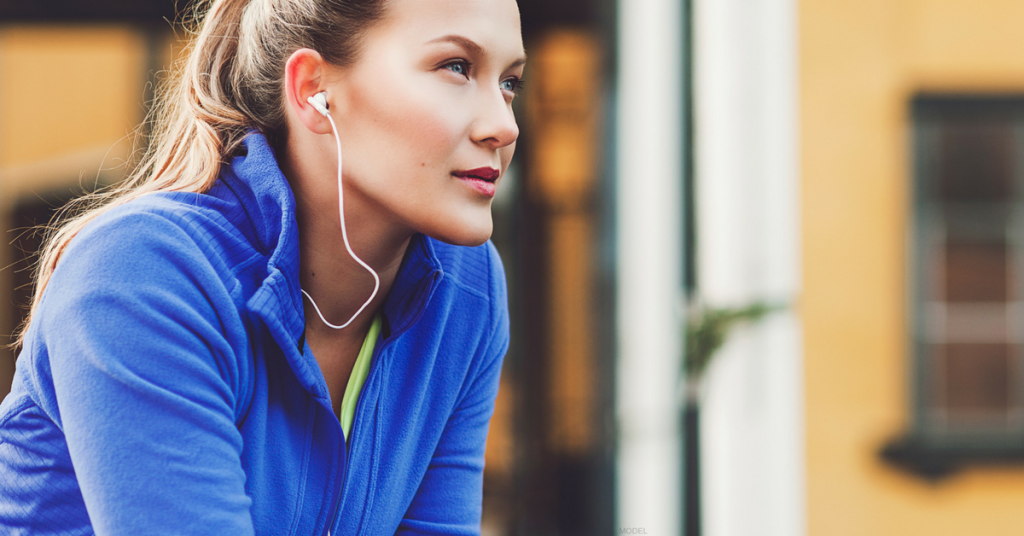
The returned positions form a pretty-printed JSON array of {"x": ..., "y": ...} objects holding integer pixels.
[{"x": 267, "y": 199}]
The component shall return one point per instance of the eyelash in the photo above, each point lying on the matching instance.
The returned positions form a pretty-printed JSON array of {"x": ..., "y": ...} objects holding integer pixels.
[{"x": 517, "y": 83}]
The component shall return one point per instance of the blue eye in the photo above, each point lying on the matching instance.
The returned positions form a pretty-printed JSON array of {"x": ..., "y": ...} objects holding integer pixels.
[
  {"x": 512, "y": 84},
  {"x": 458, "y": 67}
]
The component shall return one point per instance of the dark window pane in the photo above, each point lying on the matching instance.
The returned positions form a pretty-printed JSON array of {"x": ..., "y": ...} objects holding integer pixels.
[
  {"x": 975, "y": 160},
  {"x": 975, "y": 272},
  {"x": 975, "y": 380}
]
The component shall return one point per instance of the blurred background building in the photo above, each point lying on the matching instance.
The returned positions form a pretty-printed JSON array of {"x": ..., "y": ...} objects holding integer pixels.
[{"x": 861, "y": 161}]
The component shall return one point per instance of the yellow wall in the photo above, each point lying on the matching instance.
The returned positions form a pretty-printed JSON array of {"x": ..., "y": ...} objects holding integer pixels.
[
  {"x": 861, "y": 61},
  {"x": 67, "y": 89}
]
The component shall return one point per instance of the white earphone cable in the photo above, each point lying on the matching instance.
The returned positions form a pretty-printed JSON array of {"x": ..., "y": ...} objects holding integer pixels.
[{"x": 344, "y": 236}]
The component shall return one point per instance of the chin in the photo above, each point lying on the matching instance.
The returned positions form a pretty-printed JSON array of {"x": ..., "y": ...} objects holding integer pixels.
[{"x": 464, "y": 233}]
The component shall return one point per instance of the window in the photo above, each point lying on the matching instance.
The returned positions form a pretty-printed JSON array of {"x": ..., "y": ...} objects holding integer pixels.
[{"x": 967, "y": 281}]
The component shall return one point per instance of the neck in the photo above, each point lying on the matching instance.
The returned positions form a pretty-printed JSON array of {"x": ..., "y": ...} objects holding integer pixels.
[{"x": 339, "y": 284}]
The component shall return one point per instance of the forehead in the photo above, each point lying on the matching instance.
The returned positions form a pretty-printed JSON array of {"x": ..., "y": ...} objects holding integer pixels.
[{"x": 494, "y": 24}]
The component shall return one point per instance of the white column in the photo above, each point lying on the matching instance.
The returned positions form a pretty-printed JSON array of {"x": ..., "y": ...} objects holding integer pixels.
[
  {"x": 649, "y": 226},
  {"x": 748, "y": 215}
]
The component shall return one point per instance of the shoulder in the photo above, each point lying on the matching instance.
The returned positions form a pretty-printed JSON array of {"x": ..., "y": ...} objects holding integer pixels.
[
  {"x": 200, "y": 219},
  {"x": 157, "y": 253},
  {"x": 146, "y": 237}
]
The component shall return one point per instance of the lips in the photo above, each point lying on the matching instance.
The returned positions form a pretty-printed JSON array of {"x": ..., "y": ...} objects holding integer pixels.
[
  {"x": 480, "y": 179},
  {"x": 484, "y": 174}
]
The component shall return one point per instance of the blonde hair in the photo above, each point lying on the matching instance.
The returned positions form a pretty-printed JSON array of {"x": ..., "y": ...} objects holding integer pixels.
[{"x": 229, "y": 82}]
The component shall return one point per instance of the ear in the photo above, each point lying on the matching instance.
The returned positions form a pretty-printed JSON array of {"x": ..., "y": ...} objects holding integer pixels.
[{"x": 303, "y": 78}]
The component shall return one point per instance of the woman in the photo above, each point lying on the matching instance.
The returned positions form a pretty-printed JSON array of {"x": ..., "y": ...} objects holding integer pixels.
[{"x": 186, "y": 370}]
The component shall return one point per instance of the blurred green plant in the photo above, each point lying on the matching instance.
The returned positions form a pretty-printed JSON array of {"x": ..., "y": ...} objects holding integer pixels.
[{"x": 708, "y": 328}]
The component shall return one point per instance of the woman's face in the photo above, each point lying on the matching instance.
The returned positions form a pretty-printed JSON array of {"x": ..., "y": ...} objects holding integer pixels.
[{"x": 425, "y": 114}]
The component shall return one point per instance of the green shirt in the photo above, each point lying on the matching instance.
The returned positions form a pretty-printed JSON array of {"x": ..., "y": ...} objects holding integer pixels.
[{"x": 358, "y": 376}]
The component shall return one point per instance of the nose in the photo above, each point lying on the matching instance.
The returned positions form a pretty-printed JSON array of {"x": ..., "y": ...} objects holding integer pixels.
[{"x": 495, "y": 126}]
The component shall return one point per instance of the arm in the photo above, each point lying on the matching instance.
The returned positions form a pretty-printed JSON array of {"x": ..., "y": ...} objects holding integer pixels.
[
  {"x": 450, "y": 496},
  {"x": 449, "y": 499},
  {"x": 146, "y": 381}
]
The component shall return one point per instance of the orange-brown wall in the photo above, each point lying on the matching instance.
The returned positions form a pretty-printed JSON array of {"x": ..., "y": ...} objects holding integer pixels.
[{"x": 861, "y": 61}]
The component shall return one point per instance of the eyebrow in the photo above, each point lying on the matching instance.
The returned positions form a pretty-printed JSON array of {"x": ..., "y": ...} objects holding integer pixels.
[{"x": 472, "y": 47}]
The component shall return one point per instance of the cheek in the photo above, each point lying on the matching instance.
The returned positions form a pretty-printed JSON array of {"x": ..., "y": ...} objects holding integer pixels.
[
  {"x": 412, "y": 128},
  {"x": 431, "y": 137}
]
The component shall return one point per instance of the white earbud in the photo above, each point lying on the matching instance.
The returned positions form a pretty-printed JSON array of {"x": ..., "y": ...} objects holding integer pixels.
[{"x": 319, "y": 102}]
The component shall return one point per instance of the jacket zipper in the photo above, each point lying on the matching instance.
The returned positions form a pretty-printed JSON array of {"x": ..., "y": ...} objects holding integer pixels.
[
  {"x": 348, "y": 452},
  {"x": 337, "y": 500},
  {"x": 373, "y": 366}
]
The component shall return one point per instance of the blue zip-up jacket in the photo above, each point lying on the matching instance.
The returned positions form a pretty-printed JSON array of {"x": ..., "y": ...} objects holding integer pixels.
[{"x": 165, "y": 386}]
